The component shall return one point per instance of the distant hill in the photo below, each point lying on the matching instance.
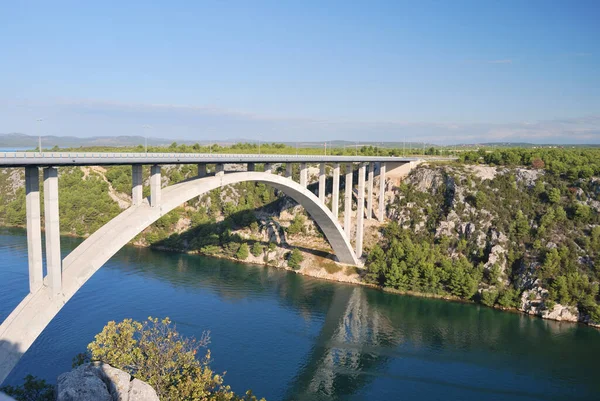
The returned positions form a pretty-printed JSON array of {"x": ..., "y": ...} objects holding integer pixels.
[{"x": 17, "y": 140}]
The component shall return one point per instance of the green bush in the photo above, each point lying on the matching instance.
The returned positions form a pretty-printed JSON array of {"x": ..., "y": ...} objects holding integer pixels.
[
  {"x": 295, "y": 258},
  {"x": 155, "y": 352},
  {"x": 33, "y": 389}
]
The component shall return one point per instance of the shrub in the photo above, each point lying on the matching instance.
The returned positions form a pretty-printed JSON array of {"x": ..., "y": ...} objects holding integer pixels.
[
  {"x": 257, "y": 249},
  {"x": 33, "y": 389},
  {"x": 156, "y": 353},
  {"x": 295, "y": 258},
  {"x": 242, "y": 253}
]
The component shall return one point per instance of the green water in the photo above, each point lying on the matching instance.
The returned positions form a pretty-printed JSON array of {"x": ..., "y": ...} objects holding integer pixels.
[{"x": 290, "y": 337}]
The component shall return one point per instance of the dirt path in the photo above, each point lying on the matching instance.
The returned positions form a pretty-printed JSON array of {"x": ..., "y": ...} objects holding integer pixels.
[{"x": 122, "y": 200}]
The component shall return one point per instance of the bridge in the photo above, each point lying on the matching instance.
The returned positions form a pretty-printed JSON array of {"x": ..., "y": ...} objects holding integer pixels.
[{"x": 49, "y": 293}]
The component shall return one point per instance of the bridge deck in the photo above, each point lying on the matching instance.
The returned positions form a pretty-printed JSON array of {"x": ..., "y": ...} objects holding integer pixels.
[{"x": 22, "y": 159}]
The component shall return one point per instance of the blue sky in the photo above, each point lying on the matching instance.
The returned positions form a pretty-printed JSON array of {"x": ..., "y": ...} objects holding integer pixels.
[{"x": 443, "y": 71}]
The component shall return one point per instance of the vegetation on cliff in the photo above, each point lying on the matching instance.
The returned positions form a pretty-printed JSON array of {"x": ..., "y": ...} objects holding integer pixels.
[{"x": 515, "y": 237}]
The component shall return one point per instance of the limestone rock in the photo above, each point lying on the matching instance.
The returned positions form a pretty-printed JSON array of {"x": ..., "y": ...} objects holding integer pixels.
[
  {"x": 141, "y": 391},
  {"x": 562, "y": 313},
  {"x": 101, "y": 382},
  {"x": 117, "y": 382},
  {"x": 82, "y": 384}
]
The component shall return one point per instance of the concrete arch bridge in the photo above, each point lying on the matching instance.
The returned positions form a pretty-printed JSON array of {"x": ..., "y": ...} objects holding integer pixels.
[{"x": 48, "y": 294}]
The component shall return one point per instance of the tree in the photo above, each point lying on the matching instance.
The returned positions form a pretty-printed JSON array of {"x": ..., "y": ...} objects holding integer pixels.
[
  {"x": 554, "y": 195},
  {"x": 33, "y": 389},
  {"x": 156, "y": 353},
  {"x": 297, "y": 225},
  {"x": 242, "y": 253},
  {"x": 295, "y": 258},
  {"x": 257, "y": 249},
  {"x": 538, "y": 163}
]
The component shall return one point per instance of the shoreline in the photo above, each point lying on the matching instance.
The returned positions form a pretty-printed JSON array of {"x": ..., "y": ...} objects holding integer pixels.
[{"x": 332, "y": 277}]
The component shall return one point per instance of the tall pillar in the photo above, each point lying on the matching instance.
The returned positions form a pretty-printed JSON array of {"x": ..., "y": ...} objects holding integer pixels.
[
  {"x": 303, "y": 175},
  {"x": 219, "y": 169},
  {"x": 155, "y": 186},
  {"x": 202, "y": 170},
  {"x": 381, "y": 191},
  {"x": 370, "y": 191},
  {"x": 360, "y": 213},
  {"x": 251, "y": 167},
  {"x": 34, "y": 228},
  {"x": 288, "y": 170},
  {"x": 136, "y": 185},
  {"x": 322, "y": 177},
  {"x": 268, "y": 168},
  {"x": 51, "y": 218},
  {"x": 335, "y": 196},
  {"x": 348, "y": 200}
]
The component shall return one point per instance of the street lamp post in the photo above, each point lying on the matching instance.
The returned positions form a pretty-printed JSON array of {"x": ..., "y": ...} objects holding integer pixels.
[
  {"x": 39, "y": 120},
  {"x": 146, "y": 128}
]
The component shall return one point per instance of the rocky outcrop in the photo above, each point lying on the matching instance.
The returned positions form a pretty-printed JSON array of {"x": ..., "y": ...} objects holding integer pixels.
[{"x": 101, "y": 382}]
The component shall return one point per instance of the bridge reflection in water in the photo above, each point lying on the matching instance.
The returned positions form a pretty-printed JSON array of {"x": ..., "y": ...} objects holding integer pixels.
[{"x": 290, "y": 337}]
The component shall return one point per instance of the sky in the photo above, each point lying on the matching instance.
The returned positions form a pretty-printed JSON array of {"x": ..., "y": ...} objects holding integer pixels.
[{"x": 437, "y": 71}]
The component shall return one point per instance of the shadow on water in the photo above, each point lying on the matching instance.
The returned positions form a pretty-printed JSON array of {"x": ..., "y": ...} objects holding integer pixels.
[
  {"x": 368, "y": 335},
  {"x": 9, "y": 354},
  {"x": 368, "y": 344}
]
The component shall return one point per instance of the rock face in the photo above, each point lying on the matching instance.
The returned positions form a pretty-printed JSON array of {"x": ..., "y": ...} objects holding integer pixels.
[{"x": 101, "y": 382}]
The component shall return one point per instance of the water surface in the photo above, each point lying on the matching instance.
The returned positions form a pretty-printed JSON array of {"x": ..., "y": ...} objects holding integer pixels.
[{"x": 290, "y": 337}]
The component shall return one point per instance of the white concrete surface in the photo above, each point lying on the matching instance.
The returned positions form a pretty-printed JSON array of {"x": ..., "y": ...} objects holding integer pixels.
[
  {"x": 360, "y": 210},
  {"x": 20, "y": 329},
  {"x": 348, "y": 200},
  {"x": 136, "y": 184},
  {"x": 382, "y": 178},
  {"x": 34, "y": 228},
  {"x": 335, "y": 194},
  {"x": 52, "y": 230}
]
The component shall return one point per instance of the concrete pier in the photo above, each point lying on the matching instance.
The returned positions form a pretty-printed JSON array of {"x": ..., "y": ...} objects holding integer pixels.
[
  {"x": 322, "y": 177},
  {"x": 51, "y": 217},
  {"x": 370, "y": 190},
  {"x": 335, "y": 195},
  {"x": 34, "y": 228},
  {"x": 289, "y": 168},
  {"x": 219, "y": 169},
  {"x": 348, "y": 200},
  {"x": 268, "y": 168},
  {"x": 303, "y": 175},
  {"x": 136, "y": 185},
  {"x": 155, "y": 188},
  {"x": 202, "y": 170},
  {"x": 360, "y": 213},
  {"x": 250, "y": 167},
  {"x": 382, "y": 191}
]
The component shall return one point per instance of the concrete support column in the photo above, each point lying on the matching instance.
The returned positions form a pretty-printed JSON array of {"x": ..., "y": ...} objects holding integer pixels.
[
  {"x": 251, "y": 167},
  {"x": 348, "y": 200},
  {"x": 51, "y": 217},
  {"x": 288, "y": 170},
  {"x": 322, "y": 177},
  {"x": 268, "y": 168},
  {"x": 381, "y": 191},
  {"x": 219, "y": 170},
  {"x": 370, "y": 191},
  {"x": 202, "y": 170},
  {"x": 360, "y": 214},
  {"x": 136, "y": 185},
  {"x": 335, "y": 196},
  {"x": 34, "y": 228},
  {"x": 155, "y": 186},
  {"x": 303, "y": 175}
]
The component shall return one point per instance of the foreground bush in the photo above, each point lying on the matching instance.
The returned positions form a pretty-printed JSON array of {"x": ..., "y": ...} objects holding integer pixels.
[
  {"x": 153, "y": 351},
  {"x": 33, "y": 389}
]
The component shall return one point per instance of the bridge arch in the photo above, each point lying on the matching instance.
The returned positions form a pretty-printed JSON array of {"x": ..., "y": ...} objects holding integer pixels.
[{"x": 20, "y": 329}]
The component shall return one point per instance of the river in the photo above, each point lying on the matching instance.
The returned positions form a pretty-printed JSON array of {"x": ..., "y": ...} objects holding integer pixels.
[{"x": 290, "y": 337}]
